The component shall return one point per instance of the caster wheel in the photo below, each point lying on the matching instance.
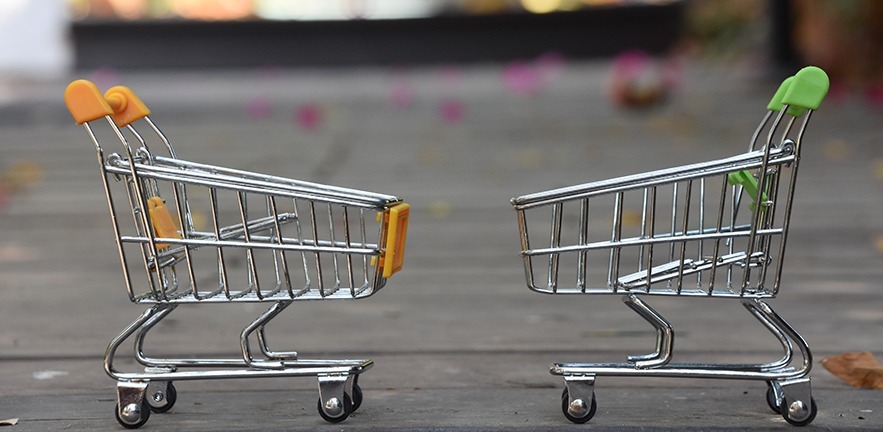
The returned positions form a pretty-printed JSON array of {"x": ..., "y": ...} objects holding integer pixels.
[
  {"x": 798, "y": 413},
  {"x": 771, "y": 399},
  {"x": 334, "y": 411},
  {"x": 162, "y": 400},
  {"x": 579, "y": 412},
  {"x": 133, "y": 416}
]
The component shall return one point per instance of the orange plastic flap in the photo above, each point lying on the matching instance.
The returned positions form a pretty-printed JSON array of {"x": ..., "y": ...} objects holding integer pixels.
[
  {"x": 127, "y": 107},
  {"x": 397, "y": 231},
  {"x": 163, "y": 225},
  {"x": 85, "y": 101}
]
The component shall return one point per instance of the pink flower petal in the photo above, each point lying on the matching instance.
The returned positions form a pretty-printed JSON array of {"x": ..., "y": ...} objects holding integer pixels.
[
  {"x": 309, "y": 116},
  {"x": 452, "y": 111}
]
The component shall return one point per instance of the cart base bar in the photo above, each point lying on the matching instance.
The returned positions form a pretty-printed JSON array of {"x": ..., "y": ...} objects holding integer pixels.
[
  {"x": 139, "y": 394},
  {"x": 681, "y": 370},
  {"x": 790, "y": 397},
  {"x": 298, "y": 368}
]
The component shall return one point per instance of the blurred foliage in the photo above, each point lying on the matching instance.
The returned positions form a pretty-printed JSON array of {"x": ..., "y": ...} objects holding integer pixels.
[
  {"x": 844, "y": 37},
  {"x": 726, "y": 29}
]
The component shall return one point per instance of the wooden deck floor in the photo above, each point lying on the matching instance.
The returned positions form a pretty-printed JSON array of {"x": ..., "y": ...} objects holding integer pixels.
[{"x": 459, "y": 342}]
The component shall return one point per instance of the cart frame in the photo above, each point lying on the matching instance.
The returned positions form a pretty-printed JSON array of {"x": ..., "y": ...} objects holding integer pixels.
[
  {"x": 734, "y": 257},
  {"x": 334, "y": 261}
]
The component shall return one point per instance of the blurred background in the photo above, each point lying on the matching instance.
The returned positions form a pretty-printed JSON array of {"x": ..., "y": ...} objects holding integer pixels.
[{"x": 52, "y": 37}]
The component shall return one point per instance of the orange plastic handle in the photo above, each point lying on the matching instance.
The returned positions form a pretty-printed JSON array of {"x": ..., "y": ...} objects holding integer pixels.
[
  {"x": 85, "y": 101},
  {"x": 127, "y": 107}
]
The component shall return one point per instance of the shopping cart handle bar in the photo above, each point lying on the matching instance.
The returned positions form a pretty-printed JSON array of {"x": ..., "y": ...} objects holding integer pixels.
[
  {"x": 808, "y": 89},
  {"x": 776, "y": 102},
  {"x": 85, "y": 102},
  {"x": 127, "y": 107},
  {"x": 803, "y": 91}
]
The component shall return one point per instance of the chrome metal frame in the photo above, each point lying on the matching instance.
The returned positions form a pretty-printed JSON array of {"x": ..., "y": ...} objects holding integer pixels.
[
  {"x": 337, "y": 235},
  {"x": 694, "y": 244}
]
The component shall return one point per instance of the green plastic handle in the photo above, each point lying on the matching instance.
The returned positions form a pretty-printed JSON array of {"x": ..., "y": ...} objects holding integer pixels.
[
  {"x": 807, "y": 89},
  {"x": 776, "y": 102}
]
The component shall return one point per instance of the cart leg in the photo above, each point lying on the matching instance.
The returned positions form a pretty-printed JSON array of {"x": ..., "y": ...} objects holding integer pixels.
[
  {"x": 255, "y": 325},
  {"x": 760, "y": 315},
  {"x": 114, "y": 344},
  {"x": 262, "y": 339},
  {"x": 578, "y": 399},
  {"x": 779, "y": 326},
  {"x": 132, "y": 409},
  {"x": 335, "y": 402},
  {"x": 664, "y": 334},
  {"x": 270, "y": 354},
  {"x": 142, "y": 334}
]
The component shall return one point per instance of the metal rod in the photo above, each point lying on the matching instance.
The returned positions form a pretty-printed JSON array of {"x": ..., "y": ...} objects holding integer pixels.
[
  {"x": 652, "y": 216},
  {"x": 555, "y": 242},
  {"x": 715, "y": 254},
  {"x": 688, "y": 196},
  {"x": 583, "y": 239},
  {"x": 616, "y": 236}
]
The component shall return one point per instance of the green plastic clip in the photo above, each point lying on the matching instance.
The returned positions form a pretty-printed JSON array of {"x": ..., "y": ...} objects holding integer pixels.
[{"x": 748, "y": 183}]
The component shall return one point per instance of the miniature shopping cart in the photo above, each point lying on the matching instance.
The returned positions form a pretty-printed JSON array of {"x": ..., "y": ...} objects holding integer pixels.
[
  {"x": 206, "y": 234},
  {"x": 716, "y": 229}
]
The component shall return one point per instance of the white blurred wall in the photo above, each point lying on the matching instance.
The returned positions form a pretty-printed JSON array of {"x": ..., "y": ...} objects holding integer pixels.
[{"x": 34, "y": 38}]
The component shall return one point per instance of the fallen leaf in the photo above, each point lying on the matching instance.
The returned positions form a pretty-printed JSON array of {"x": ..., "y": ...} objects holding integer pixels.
[
  {"x": 878, "y": 170},
  {"x": 440, "y": 209},
  {"x": 531, "y": 158},
  {"x": 15, "y": 253},
  {"x": 429, "y": 155},
  {"x": 836, "y": 150},
  {"x": 9, "y": 422},
  {"x": 24, "y": 173},
  {"x": 858, "y": 369},
  {"x": 631, "y": 218}
]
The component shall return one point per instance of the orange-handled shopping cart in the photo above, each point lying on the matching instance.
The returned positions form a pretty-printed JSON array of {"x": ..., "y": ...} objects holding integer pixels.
[{"x": 298, "y": 241}]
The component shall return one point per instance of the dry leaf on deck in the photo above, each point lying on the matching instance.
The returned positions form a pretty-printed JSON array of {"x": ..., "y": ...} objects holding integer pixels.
[{"x": 858, "y": 369}]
